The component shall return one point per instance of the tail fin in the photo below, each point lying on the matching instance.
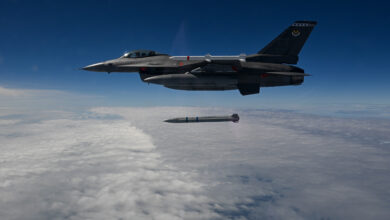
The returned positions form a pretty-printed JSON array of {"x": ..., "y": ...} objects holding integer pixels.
[
  {"x": 235, "y": 117},
  {"x": 290, "y": 42}
]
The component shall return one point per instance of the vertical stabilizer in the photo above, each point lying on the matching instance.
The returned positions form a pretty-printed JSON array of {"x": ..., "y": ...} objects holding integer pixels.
[{"x": 290, "y": 42}]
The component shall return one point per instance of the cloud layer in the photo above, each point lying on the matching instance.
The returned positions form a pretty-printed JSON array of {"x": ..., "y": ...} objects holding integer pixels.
[
  {"x": 278, "y": 165},
  {"x": 91, "y": 169},
  {"x": 125, "y": 163}
]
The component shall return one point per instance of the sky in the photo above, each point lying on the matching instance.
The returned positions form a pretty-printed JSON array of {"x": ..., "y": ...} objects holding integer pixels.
[
  {"x": 85, "y": 145},
  {"x": 43, "y": 43}
]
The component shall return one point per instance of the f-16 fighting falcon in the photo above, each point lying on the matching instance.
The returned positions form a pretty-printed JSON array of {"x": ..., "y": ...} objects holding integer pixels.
[{"x": 271, "y": 66}]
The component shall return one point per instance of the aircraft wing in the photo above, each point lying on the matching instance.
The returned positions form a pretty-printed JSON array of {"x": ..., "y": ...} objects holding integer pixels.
[
  {"x": 148, "y": 65},
  {"x": 167, "y": 65}
]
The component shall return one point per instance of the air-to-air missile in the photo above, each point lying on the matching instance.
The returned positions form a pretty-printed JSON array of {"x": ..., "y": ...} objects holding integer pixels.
[{"x": 234, "y": 118}]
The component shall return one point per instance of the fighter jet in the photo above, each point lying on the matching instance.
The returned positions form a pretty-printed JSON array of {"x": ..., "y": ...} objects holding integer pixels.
[{"x": 271, "y": 66}]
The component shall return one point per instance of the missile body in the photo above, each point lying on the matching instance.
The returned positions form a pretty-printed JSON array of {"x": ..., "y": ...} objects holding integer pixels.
[{"x": 234, "y": 118}]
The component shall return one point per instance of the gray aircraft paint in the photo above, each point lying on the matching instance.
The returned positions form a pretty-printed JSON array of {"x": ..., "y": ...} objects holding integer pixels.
[{"x": 271, "y": 66}]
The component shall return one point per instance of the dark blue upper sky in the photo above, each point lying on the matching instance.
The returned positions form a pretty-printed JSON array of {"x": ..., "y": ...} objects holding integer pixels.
[{"x": 43, "y": 43}]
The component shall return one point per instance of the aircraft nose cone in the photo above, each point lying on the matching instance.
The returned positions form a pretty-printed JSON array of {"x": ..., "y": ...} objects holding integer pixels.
[
  {"x": 93, "y": 67},
  {"x": 100, "y": 67}
]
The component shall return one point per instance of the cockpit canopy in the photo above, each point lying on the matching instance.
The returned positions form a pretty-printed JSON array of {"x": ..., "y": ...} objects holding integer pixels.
[{"x": 140, "y": 54}]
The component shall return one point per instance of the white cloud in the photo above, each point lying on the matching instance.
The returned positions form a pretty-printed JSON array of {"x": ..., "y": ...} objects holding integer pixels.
[
  {"x": 34, "y": 101},
  {"x": 278, "y": 165},
  {"x": 126, "y": 162},
  {"x": 12, "y": 92},
  {"x": 38, "y": 93},
  {"x": 91, "y": 169},
  {"x": 8, "y": 122}
]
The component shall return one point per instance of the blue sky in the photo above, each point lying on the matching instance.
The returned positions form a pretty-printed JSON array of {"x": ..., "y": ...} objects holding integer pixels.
[
  {"x": 43, "y": 43},
  {"x": 74, "y": 144}
]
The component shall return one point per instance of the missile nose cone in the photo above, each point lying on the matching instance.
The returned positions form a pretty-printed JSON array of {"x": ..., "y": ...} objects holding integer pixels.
[
  {"x": 171, "y": 120},
  {"x": 149, "y": 80},
  {"x": 155, "y": 79}
]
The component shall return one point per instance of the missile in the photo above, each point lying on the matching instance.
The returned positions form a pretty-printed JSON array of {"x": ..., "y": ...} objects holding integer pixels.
[
  {"x": 188, "y": 80},
  {"x": 234, "y": 118}
]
